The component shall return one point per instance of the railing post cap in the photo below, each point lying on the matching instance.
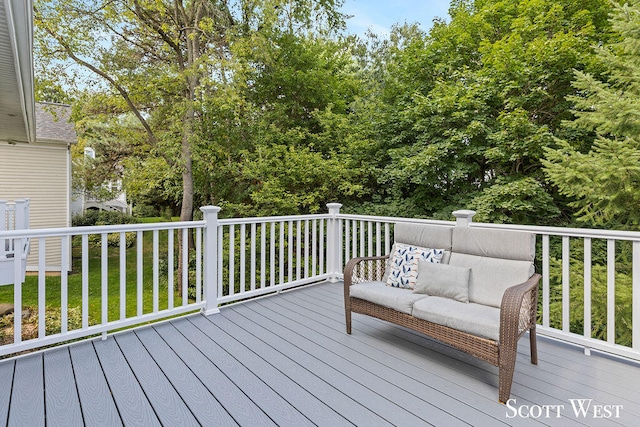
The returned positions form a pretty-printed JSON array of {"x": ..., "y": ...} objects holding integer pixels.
[
  {"x": 210, "y": 209},
  {"x": 463, "y": 217},
  {"x": 334, "y": 208},
  {"x": 461, "y": 213}
]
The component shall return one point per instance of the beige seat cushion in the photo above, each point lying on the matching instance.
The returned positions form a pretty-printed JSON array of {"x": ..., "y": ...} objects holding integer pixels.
[
  {"x": 379, "y": 293},
  {"x": 475, "y": 319}
]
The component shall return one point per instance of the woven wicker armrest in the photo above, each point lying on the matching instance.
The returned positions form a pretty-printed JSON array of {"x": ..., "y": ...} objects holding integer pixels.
[
  {"x": 518, "y": 309},
  {"x": 364, "y": 269},
  {"x": 517, "y": 315},
  {"x": 361, "y": 270}
]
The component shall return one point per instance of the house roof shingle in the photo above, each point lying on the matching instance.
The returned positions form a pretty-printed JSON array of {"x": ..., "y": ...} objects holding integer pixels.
[{"x": 53, "y": 123}]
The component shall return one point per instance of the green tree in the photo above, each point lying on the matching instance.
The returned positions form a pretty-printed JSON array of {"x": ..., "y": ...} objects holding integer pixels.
[
  {"x": 159, "y": 59},
  {"x": 603, "y": 182},
  {"x": 469, "y": 107},
  {"x": 149, "y": 57},
  {"x": 281, "y": 136}
]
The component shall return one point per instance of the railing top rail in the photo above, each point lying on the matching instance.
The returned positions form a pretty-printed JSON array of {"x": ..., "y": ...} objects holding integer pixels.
[
  {"x": 556, "y": 231},
  {"x": 98, "y": 229},
  {"x": 561, "y": 231},
  {"x": 265, "y": 219},
  {"x": 14, "y": 203},
  {"x": 395, "y": 219}
]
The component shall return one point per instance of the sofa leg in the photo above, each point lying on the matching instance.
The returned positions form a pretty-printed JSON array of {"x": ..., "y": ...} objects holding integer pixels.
[
  {"x": 534, "y": 345},
  {"x": 505, "y": 375}
]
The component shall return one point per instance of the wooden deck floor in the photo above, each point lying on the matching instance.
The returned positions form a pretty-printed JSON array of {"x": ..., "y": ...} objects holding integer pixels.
[{"x": 286, "y": 360}]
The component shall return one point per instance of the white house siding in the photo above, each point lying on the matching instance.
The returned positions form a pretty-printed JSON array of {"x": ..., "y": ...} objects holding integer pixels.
[{"x": 40, "y": 172}]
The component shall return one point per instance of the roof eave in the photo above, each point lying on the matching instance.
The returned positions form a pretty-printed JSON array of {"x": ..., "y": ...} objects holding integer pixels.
[{"x": 20, "y": 25}]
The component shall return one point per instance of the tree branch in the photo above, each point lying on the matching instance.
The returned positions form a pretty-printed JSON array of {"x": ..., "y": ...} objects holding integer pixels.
[{"x": 123, "y": 92}]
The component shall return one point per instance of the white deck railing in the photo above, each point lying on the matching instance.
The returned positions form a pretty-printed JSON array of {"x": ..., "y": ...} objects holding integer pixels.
[
  {"x": 573, "y": 262},
  {"x": 125, "y": 283},
  {"x": 125, "y": 275},
  {"x": 586, "y": 275},
  {"x": 13, "y": 216}
]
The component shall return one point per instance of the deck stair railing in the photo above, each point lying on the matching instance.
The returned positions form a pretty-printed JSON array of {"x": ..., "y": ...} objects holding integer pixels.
[
  {"x": 125, "y": 275},
  {"x": 13, "y": 252}
]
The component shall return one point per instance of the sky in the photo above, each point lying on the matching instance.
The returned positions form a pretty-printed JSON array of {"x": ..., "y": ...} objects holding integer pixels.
[{"x": 380, "y": 15}]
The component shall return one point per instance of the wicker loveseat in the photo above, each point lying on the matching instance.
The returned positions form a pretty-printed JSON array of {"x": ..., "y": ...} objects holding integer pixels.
[{"x": 494, "y": 268}]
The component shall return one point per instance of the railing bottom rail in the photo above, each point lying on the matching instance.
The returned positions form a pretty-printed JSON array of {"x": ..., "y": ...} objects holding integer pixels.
[
  {"x": 589, "y": 344},
  {"x": 273, "y": 289},
  {"x": 96, "y": 330}
]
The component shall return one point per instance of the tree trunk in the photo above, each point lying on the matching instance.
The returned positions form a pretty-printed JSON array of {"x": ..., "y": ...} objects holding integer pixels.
[{"x": 192, "y": 82}]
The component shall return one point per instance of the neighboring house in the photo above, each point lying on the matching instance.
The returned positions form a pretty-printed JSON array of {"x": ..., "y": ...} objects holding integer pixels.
[
  {"x": 35, "y": 159},
  {"x": 83, "y": 201},
  {"x": 41, "y": 171}
]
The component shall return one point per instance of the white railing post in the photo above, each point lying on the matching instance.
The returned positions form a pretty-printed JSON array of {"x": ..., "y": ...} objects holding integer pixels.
[
  {"x": 22, "y": 223},
  {"x": 3, "y": 226},
  {"x": 22, "y": 214},
  {"x": 635, "y": 296},
  {"x": 463, "y": 217},
  {"x": 333, "y": 243},
  {"x": 210, "y": 264}
]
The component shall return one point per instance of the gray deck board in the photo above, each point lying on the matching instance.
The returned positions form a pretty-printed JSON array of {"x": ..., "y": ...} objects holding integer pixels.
[
  {"x": 62, "y": 404},
  {"x": 96, "y": 400},
  {"x": 260, "y": 393},
  {"x": 378, "y": 376},
  {"x": 286, "y": 360},
  {"x": 6, "y": 379},
  {"x": 305, "y": 402},
  {"x": 165, "y": 400},
  {"x": 28, "y": 393},
  {"x": 341, "y": 403},
  {"x": 197, "y": 397},
  {"x": 133, "y": 405},
  {"x": 230, "y": 396},
  {"x": 381, "y": 405},
  {"x": 570, "y": 364}
]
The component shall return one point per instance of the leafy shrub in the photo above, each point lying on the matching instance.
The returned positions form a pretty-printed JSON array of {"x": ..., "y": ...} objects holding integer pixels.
[
  {"x": 53, "y": 323},
  {"x": 96, "y": 218},
  {"x": 93, "y": 218},
  {"x": 599, "y": 315},
  {"x": 113, "y": 239},
  {"x": 145, "y": 211}
]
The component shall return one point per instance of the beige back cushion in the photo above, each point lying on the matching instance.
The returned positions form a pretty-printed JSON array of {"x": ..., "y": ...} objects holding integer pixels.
[
  {"x": 423, "y": 235},
  {"x": 498, "y": 260}
]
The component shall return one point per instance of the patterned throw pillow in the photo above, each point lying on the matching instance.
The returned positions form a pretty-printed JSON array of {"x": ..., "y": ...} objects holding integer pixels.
[{"x": 403, "y": 268}]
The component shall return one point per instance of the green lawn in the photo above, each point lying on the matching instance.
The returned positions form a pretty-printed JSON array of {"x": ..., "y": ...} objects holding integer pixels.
[{"x": 53, "y": 283}]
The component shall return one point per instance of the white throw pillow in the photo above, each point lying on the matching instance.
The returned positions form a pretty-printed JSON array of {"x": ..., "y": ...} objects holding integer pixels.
[{"x": 403, "y": 266}]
